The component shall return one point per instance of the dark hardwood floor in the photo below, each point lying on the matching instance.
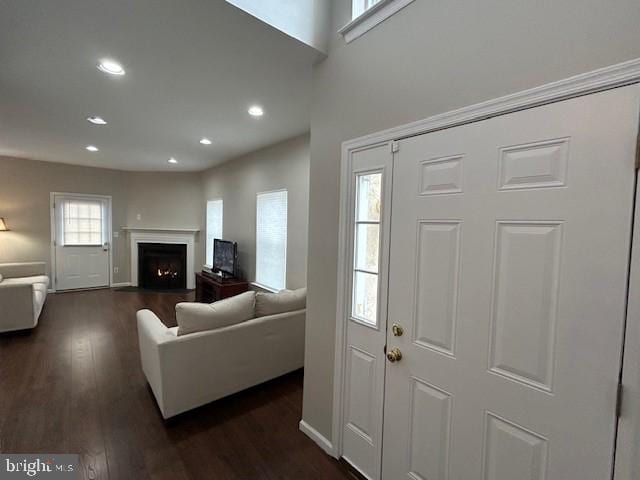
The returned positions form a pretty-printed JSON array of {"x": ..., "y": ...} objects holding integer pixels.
[{"x": 74, "y": 385}]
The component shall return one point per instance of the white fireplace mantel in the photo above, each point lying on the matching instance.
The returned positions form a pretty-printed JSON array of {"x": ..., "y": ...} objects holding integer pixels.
[
  {"x": 181, "y": 236},
  {"x": 161, "y": 229}
]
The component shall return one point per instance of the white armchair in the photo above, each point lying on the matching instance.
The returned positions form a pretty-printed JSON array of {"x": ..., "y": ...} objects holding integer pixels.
[{"x": 23, "y": 291}]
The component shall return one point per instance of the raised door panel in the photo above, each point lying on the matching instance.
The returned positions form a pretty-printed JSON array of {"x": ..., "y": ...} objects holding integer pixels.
[
  {"x": 436, "y": 293},
  {"x": 527, "y": 267},
  {"x": 513, "y": 452},
  {"x": 441, "y": 176},
  {"x": 358, "y": 436},
  {"x": 430, "y": 425}
]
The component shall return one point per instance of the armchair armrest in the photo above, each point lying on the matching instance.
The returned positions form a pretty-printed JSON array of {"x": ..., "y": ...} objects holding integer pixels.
[{"x": 27, "y": 269}]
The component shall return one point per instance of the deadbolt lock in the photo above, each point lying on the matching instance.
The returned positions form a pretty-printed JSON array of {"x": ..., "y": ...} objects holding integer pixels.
[
  {"x": 397, "y": 330},
  {"x": 394, "y": 355}
]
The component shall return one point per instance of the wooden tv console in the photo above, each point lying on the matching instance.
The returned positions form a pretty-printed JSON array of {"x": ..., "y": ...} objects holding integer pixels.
[{"x": 211, "y": 288}]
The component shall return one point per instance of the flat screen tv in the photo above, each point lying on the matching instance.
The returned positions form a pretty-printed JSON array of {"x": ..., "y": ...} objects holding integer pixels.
[{"x": 224, "y": 256}]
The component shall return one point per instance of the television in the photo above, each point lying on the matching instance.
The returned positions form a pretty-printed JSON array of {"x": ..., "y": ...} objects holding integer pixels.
[{"x": 225, "y": 254}]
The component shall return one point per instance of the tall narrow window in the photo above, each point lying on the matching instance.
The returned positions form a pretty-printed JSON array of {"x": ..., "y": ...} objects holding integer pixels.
[
  {"x": 366, "y": 247},
  {"x": 271, "y": 239},
  {"x": 83, "y": 222},
  {"x": 214, "y": 226}
]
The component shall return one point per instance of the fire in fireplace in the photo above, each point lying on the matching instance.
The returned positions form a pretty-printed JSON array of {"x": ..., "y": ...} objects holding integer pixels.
[{"x": 162, "y": 266}]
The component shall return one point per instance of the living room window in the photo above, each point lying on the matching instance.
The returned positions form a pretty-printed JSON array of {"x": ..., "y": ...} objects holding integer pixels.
[
  {"x": 214, "y": 226},
  {"x": 82, "y": 222},
  {"x": 366, "y": 247},
  {"x": 271, "y": 239},
  {"x": 361, "y": 6}
]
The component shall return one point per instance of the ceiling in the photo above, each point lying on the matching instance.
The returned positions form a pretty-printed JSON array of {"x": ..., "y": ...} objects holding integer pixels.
[{"x": 193, "y": 68}]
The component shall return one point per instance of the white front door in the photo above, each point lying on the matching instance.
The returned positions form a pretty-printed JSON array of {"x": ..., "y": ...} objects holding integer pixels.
[
  {"x": 509, "y": 256},
  {"x": 82, "y": 230}
]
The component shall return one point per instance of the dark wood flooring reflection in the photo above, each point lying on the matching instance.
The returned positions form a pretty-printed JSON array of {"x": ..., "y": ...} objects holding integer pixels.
[{"x": 74, "y": 385}]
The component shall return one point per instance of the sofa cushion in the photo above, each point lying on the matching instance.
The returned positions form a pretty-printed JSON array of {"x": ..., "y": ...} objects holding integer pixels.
[
  {"x": 199, "y": 317},
  {"x": 285, "y": 301}
]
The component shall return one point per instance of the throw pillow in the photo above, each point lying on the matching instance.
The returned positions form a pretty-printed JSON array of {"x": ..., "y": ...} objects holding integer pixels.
[
  {"x": 199, "y": 317},
  {"x": 285, "y": 301}
]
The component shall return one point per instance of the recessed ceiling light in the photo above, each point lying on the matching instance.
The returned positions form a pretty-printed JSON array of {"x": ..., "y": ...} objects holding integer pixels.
[
  {"x": 256, "y": 111},
  {"x": 111, "y": 67},
  {"x": 92, "y": 148},
  {"x": 173, "y": 160},
  {"x": 97, "y": 120},
  {"x": 205, "y": 141}
]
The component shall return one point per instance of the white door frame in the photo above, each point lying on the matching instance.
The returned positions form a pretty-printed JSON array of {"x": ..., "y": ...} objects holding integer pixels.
[
  {"x": 108, "y": 200},
  {"x": 591, "y": 82},
  {"x": 627, "y": 461}
]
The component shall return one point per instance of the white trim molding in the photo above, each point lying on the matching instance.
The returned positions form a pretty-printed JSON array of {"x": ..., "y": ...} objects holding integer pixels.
[
  {"x": 371, "y": 17},
  {"x": 317, "y": 437},
  {"x": 613, "y": 76},
  {"x": 161, "y": 229},
  {"x": 606, "y": 78},
  {"x": 121, "y": 284},
  {"x": 162, "y": 235}
]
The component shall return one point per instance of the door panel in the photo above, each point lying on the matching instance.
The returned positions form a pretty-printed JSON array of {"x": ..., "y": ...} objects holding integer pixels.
[
  {"x": 366, "y": 325},
  {"x": 509, "y": 259},
  {"x": 430, "y": 427},
  {"x": 437, "y": 285},
  {"x": 525, "y": 294},
  {"x": 512, "y": 452}
]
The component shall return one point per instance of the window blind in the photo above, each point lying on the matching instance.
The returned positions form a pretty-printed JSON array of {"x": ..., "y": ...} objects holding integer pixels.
[
  {"x": 214, "y": 226},
  {"x": 271, "y": 239}
]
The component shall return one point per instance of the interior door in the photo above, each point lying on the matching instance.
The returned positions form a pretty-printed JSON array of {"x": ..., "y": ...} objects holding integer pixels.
[
  {"x": 366, "y": 322},
  {"x": 82, "y": 229},
  {"x": 509, "y": 258}
]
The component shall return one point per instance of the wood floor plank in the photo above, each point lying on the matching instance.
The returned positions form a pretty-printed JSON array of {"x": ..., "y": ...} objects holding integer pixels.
[{"x": 74, "y": 385}]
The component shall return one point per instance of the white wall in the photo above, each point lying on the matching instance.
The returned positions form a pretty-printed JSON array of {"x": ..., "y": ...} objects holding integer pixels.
[
  {"x": 161, "y": 199},
  {"x": 431, "y": 57},
  {"x": 284, "y": 165},
  {"x": 171, "y": 200}
]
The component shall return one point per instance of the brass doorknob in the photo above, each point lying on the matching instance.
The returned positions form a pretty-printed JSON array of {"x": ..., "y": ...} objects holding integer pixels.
[
  {"x": 394, "y": 355},
  {"x": 397, "y": 330}
]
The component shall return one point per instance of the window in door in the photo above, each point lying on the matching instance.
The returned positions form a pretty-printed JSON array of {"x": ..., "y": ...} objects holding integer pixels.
[
  {"x": 214, "y": 226},
  {"x": 366, "y": 254},
  {"x": 271, "y": 239},
  {"x": 83, "y": 222}
]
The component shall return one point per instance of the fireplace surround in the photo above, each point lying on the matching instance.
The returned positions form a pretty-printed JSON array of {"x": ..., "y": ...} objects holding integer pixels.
[
  {"x": 180, "y": 236},
  {"x": 162, "y": 266}
]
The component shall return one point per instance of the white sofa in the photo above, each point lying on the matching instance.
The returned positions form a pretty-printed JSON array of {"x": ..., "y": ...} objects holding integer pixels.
[
  {"x": 23, "y": 291},
  {"x": 189, "y": 370}
]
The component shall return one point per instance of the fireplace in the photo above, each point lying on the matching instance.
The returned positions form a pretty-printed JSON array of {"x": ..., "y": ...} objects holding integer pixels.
[{"x": 162, "y": 266}]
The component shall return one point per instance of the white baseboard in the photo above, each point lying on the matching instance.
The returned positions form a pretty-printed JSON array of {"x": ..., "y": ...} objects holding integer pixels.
[
  {"x": 317, "y": 437},
  {"x": 119, "y": 285}
]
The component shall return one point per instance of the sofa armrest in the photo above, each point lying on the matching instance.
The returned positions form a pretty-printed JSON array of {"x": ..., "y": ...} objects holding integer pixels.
[
  {"x": 16, "y": 306},
  {"x": 152, "y": 334},
  {"x": 30, "y": 269}
]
